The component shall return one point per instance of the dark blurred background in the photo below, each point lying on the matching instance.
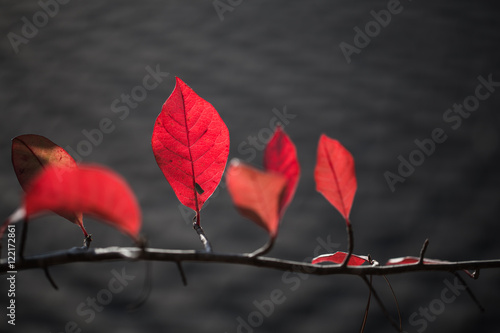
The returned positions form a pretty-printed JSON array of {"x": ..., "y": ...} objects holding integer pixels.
[{"x": 70, "y": 72}]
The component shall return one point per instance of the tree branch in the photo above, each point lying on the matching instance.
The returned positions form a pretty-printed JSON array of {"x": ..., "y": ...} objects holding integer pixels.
[{"x": 81, "y": 254}]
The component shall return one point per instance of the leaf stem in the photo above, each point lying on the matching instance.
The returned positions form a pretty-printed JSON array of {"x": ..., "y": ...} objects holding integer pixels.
[
  {"x": 264, "y": 249},
  {"x": 203, "y": 238},
  {"x": 197, "y": 218},
  {"x": 350, "y": 243},
  {"x": 87, "y": 240}
]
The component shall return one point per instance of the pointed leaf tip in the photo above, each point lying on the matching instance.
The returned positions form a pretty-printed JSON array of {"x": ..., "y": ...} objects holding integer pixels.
[
  {"x": 335, "y": 175},
  {"x": 93, "y": 190},
  {"x": 191, "y": 144},
  {"x": 280, "y": 155},
  {"x": 256, "y": 194}
]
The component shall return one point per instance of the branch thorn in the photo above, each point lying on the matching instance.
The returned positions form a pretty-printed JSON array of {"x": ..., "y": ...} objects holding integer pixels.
[{"x": 422, "y": 252}]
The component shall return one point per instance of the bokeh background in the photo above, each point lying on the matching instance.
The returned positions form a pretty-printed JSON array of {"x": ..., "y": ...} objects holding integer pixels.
[{"x": 262, "y": 56}]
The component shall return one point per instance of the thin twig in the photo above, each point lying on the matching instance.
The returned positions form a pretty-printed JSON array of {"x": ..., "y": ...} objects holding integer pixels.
[
  {"x": 365, "y": 317},
  {"x": 422, "y": 252},
  {"x": 146, "y": 289},
  {"x": 469, "y": 291},
  {"x": 395, "y": 300},
  {"x": 49, "y": 277},
  {"x": 181, "y": 271},
  {"x": 381, "y": 304},
  {"x": 142, "y": 244}
]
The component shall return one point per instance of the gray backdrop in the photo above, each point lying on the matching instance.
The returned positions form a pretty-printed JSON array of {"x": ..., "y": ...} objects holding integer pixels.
[{"x": 255, "y": 57}]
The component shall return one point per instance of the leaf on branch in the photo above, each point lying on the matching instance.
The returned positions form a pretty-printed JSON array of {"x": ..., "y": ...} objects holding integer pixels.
[
  {"x": 93, "y": 190},
  {"x": 335, "y": 175},
  {"x": 280, "y": 155},
  {"x": 414, "y": 260},
  {"x": 32, "y": 153},
  {"x": 191, "y": 145},
  {"x": 339, "y": 257},
  {"x": 256, "y": 194}
]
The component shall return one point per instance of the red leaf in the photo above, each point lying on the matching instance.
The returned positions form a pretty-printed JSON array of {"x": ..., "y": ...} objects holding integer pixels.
[
  {"x": 31, "y": 154},
  {"x": 191, "y": 144},
  {"x": 339, "y": 257},
  {"x": 280, "y": 156},
  {"x": 256, "y": 194},
  {"x": 92, "y": 190},
  {"x": 414, "y": 260},
  {"x": 335, "y": 175}
]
